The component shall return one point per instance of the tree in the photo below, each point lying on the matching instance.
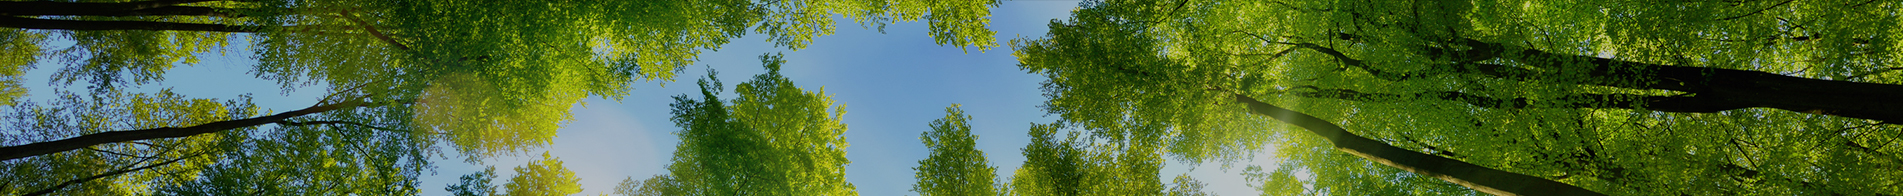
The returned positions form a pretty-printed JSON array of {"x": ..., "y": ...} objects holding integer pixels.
[
  {"x": 1081, "y": 166},
  {"x": 955, "y": 165},
  {"x": 1620, "y": 98},
  {"x": 420, "y": 59},
  {"x": 540, "y": 177},
  {"x": 483, "y": 77},
  {"x": 475, "y": 184},
  {"x": 774, "y": 139}
]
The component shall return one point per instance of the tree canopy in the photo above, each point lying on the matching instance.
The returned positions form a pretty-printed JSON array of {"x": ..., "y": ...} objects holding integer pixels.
[
  {"x": 1626, "y": 98},
  {"x": 1417, "y": 97},
  {"x": 482, "y": 78},
  {"x": 543, "y": 177}
]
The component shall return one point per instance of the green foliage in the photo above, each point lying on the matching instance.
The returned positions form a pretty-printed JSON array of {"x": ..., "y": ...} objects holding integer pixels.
[
  {"x": 367, "y": 158},
  {"x": 475, "y": 184},
  {"x": 546, "y": 177},
  {"x": 774, "y": 139},
  {"x": 1443, "y": 78},
  {"x": 1075, "y": 166},
  {"x": 484, "y": 78},
  {"x": 538, "y": 178},
  {"x": 955, "y": 165},
  {"x": 1097, "y": 50},
  {"x": 74, "y": 115},
  {"x": 12, "y": 66}
]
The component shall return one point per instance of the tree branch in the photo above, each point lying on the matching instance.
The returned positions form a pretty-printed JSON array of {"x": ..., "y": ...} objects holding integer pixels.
[
  {"x": 82, "y": 25},
  {"x": 56, "y": 146},
  {"x": 337, "y": 122},
  {"x": 42, "y": 6},
  {"x": 373, "y": 30},
  {"x": 104, "y": 175},
  {"x": 159, "y": 11},
  {"x": 1690, "y": 104},
  {"x": 1479, "y": 178},
  {"x": 1756, "y": 12}
]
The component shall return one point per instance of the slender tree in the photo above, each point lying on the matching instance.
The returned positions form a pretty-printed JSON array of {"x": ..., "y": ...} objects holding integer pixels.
[{"x": 955, "y": 166}]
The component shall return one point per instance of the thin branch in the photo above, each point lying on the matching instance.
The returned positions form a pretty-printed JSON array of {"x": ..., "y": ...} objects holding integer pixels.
[
  {"x": 1692, "y": 104},
  {"x": 84, "y": 25},
  {"x": 339, "y": 122},
  {"x": 373, "y": 30},
  {"x": 159, "y": 11},
  {"x": 1756, "y": 12},
  {"x": 1884, "y": 70},
  {"x": 104, "y": 175},
  {"x": 114, "y": 153}
]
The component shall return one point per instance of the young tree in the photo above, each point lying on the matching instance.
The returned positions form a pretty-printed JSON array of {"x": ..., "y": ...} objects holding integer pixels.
[
  {"x": 774, "y": 139},
  {"x": 1683, "y": 97},
  {"x": 955, "y": 166}
]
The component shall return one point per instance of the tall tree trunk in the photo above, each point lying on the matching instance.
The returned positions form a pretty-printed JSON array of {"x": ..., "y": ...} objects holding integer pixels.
[
  {"x": 43, "y": 6},
  {"x": 1874, "y": 101},
  {"x": 1730, "y": 88},
  {"x": 1479, "y": 178},
  {"x": 56, "y": 146},
  {"x": 160, "y": 11},
  {"x": 1690, "y": 104},
  {"x": 35, "y": 23}
]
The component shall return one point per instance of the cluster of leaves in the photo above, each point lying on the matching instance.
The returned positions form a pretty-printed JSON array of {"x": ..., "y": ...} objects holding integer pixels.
[
  {"x": 545, "y": 177},
  {"x": 772, "y": 139},
  {"x": 1068, "y": 166}
]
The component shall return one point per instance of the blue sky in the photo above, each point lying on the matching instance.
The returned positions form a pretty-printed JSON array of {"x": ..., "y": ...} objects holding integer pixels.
[{"x": 890, "y": 84}]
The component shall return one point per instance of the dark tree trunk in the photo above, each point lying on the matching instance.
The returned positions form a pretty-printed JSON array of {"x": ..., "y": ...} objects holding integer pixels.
[
  {"x": 1709, "y": 89},
  {"x": 30, "y": 7},
  {"x": 1746, "y": 88},
  {"x": 35, "y": 23},
  {"x": 56, "y": 146},
  {"x": 1691, "y": 104},
  {"x": 1472, "y": 176},
  {"x": 160, "y": 11}
]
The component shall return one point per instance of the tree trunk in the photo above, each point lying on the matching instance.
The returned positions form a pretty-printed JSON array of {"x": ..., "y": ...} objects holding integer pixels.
[
  {"x": 43, "y": 6},
  {"x": 35, "y": 23},
  {"x": 1711, "y": 89},
  {"x": 1874, "y": 101},
  {"x": 1689, "y": 104},
  {"x": 160, "y": 11},
  {"x": 1472, "y": 176},
  {"x": 56, "y": 146}
]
